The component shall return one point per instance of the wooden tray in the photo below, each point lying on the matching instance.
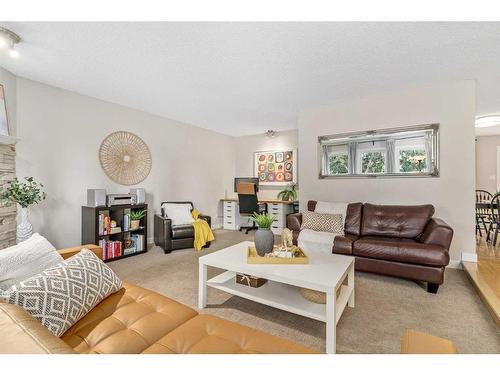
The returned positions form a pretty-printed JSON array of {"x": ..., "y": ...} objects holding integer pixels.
[{"x": 254, "y": 258}]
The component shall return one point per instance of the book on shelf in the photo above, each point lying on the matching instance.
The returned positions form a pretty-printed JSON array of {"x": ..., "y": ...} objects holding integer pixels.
[
  {"x": 111, "y": 249},
  {"x": 101, "y": 224},
  {"x": 138, "y": 240},
  {"x": 115, "y": 230}
]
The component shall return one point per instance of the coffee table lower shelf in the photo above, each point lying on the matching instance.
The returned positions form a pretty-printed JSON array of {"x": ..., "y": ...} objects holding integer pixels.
[{"x": 281, "y": 296}]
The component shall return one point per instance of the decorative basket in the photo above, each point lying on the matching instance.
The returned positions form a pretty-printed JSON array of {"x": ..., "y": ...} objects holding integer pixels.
[
  {"x": 313, "y": 295},
  {"x": 249, "y": 280}
]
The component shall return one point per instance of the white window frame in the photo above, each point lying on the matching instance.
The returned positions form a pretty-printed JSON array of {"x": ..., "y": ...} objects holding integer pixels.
[
  {"x": 346, "y": 153},
  {"x": 359, "y": 158},
  {"x": 398, "y": 149}
]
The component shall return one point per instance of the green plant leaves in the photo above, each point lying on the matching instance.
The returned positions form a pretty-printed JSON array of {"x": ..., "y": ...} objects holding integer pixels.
[
  {"x": 138, "y": 214},
  {"x": 264, "y": 221},
  {"x": 24, "y": 193}
]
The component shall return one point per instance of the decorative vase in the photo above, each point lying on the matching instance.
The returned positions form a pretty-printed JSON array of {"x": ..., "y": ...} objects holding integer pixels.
[
  {"x": 134, "y": 224},
  {"x": 264, "y": 241},
  {"x": 24, "y": 229}
]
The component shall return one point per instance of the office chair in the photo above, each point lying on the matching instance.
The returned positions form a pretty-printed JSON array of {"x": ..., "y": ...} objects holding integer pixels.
[{"x": 249, "y": 203}]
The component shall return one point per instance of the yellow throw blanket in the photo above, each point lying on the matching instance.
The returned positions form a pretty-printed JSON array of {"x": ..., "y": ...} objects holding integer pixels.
[{"x": 202, "y": 231}]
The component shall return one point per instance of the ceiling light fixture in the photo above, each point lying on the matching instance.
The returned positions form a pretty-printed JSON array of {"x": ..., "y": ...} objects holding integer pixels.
[
  {"x": 487, "y": 121},
  {"x": 271, "y": 133},
  {"x": 9, "y": 39}
]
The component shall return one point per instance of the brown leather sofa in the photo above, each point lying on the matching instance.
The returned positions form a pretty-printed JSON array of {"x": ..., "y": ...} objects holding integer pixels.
[
  {"x": 402, "y": 241},
  {"x": 135, "y": 321}
]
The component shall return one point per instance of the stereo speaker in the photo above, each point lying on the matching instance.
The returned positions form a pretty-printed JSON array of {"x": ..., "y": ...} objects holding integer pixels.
[
  {"x": 96, "y": 197},
  {"x": 140, "y": 194}
]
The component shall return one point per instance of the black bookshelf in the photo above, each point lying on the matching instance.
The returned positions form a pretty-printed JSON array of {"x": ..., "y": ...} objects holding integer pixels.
[{"x": 90, "y": 226}]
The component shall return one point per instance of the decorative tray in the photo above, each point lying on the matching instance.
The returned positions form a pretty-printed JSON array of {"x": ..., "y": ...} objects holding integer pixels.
[{"x": 299, "y": 257}]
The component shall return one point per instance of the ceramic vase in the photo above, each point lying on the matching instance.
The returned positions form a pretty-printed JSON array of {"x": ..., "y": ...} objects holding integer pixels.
[
  {"x": 264, "y": 241},
  {"x": 24, "y": 229}
]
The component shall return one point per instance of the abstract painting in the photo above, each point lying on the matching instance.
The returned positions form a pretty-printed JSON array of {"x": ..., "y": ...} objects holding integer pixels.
[{"x": 276, "y": 167}]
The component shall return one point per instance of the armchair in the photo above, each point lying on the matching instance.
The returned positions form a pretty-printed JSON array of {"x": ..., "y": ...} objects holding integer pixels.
[{"x": 173, "y": 237}]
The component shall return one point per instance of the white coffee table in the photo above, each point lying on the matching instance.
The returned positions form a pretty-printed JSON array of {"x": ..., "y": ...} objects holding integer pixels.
[{"x": 325, "y": 273}]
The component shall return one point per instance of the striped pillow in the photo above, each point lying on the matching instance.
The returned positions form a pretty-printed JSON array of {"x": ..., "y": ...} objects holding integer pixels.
[{"x": 323, "y": 222}]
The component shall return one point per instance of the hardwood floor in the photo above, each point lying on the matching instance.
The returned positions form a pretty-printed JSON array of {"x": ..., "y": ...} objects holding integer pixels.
[{"x": 485, "y": 275}]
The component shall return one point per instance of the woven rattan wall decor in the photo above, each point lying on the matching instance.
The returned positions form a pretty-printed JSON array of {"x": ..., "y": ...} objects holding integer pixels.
[{"x": 125, "y": 158}]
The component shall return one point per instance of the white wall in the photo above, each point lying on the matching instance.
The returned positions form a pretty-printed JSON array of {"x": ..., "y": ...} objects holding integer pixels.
[
  {"x": 452, "y": 105},
  {"x": 61, "y": 132},
  {"x": 8, "y": 80},
  {"x": 247, "y": 145},
  {"x": 486, "y": 163}
]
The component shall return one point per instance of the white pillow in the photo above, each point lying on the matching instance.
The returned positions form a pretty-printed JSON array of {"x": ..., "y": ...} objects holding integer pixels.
[
  {"x": 331, "y": 208},
  {"x": 26, "y": 259},
  {"x": 179, "y": 213}
]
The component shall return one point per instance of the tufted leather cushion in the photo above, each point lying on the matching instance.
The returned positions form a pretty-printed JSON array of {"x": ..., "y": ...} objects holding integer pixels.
[
  {"x": 210, "y": 334},
  {"x": 401, "y": 250},
  {"x": 352, "y": 223},
  {"x": 182, "y": 231},
  {"x": 395, "y": 221},
  {"x": 128, "y": 321},
  {"x": 136, "y": 320}
]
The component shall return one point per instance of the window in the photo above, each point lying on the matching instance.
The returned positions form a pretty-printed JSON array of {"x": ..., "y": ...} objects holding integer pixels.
[
  {"x": 411, "y": 155},
  {"x": 337, "y": 160},
  {"x": 398, "y": 152},
  {"x": 372, "y": 162},
  {"x": 371, "y": 157}
]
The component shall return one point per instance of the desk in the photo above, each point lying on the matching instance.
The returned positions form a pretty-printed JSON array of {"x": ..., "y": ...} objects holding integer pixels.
[{"x": 278, "y": 208}]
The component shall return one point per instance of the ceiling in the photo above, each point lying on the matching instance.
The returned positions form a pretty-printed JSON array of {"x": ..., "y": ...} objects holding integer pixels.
[{"x": 245, "y": 78}]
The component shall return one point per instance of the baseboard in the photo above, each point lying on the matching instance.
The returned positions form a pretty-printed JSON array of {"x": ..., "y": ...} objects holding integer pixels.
[
  {"x": 469, "y": 257},
  {"x": 457, "y": 264}
]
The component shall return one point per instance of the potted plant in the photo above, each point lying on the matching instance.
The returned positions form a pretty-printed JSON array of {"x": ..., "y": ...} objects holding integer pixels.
[
  {"x": 135, "y": 218},
  {"x": 25, "y": 194},
  {"x": 289, "y": 193},
  {"x": 264, "y": 237}
]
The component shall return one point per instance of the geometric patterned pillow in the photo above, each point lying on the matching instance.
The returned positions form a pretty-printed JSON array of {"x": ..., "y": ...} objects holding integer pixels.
[
  {"x": 60, "y": 296},
  {"x": 323, "y": 222}
]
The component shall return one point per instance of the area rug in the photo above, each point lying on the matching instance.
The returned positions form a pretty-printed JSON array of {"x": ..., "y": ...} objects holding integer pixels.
[{"x": 385, "y": 306}]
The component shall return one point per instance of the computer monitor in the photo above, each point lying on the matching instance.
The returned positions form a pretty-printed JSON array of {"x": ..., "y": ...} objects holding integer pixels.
[{"x": 253, "y": 180}]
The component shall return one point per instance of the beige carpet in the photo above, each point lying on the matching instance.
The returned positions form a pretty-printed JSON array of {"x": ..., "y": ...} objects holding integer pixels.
[{"x": 384, "y": 306}]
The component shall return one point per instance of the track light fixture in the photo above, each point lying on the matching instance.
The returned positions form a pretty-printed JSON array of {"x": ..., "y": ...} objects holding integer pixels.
[
  {"x": 271, "y": 133},
  {"x": 8, "y": 40}
]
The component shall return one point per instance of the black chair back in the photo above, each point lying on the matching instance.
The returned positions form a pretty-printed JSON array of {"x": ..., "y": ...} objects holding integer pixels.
[
  {"x": 495, "y": 208},
  {"x": 485, "y": 197},
  {"x": 247, "y": 198}
]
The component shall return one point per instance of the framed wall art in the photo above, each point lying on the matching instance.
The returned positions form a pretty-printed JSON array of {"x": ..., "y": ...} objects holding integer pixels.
[
  {"x": 4, "y": 125},
  {"x": 276, "y": 167}
]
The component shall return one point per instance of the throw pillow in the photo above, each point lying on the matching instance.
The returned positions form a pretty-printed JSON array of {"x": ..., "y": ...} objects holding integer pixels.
[
  {"x": 331, "y": 208},
  {"x": 179, "y": 213},
  {"x": 60, "y": 296},
  {"x": 26, "y": 259},
  {"x": 323, "y": 222}
]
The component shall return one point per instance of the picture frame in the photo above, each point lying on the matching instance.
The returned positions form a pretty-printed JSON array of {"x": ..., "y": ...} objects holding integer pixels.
[
  {"x": 276, "y": 167},
  {"x": 4, "y": 123}
]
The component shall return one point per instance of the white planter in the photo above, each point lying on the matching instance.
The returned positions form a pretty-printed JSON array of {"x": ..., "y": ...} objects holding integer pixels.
[{"x": 24, "y": 229}]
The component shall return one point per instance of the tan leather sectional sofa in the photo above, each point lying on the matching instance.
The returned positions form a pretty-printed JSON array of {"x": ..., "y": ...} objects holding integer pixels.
[{"x": 136, "y": 320}]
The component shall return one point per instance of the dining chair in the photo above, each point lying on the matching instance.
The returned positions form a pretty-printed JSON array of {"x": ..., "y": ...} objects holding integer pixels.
[
  {"x": 483, "y": 212},
  {"x": 495, "y": 218}
]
